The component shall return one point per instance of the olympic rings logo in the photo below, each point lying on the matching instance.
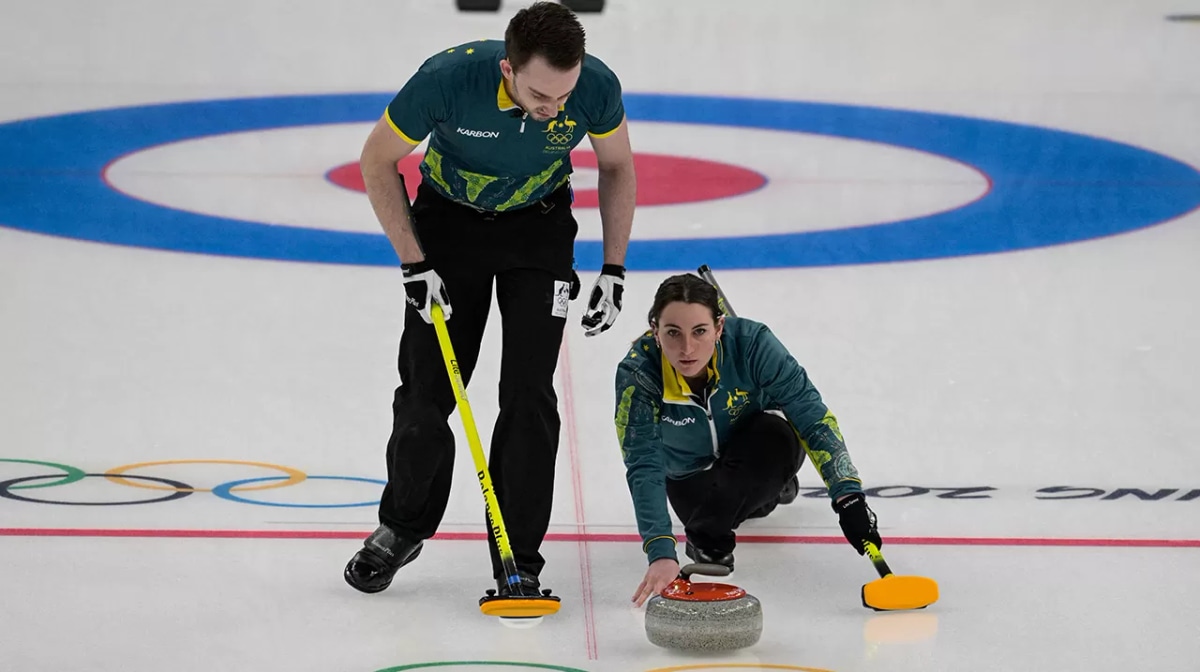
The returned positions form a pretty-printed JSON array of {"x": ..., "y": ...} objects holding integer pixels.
[
  {"x": 559, "y": 138},
  {"x": 18, "y": 488}
]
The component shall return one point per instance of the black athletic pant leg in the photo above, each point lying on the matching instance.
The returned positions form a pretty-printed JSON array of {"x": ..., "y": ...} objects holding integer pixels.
[
  {"x": 758, "y": 459},
  {"x": 421, "y": 448},
  {"x": 531, "y": 292},
  {"x": 529, "y": 255}
]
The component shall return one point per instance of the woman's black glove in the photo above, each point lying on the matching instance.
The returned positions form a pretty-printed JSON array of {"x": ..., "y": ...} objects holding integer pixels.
[{"x": 858, "y": 522}]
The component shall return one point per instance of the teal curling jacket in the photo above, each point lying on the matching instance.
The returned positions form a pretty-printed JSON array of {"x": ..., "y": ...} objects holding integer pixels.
[{"x": 666, "y": 430}]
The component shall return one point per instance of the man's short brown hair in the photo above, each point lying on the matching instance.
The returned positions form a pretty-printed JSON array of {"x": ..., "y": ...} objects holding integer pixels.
[{"x": 545, "y": 29}]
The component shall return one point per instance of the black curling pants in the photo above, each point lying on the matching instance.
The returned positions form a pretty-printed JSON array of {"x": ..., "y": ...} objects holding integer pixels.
[
  {"x": 526, "y": 256},
  {"x": 757, "y": 460}
]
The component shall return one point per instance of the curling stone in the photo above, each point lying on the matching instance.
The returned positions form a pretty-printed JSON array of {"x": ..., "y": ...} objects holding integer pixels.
[{"x": 693, "y": 616}]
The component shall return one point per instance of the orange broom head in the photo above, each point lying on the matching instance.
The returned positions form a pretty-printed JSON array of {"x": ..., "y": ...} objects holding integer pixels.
[
  {"x": 900, "y": 592},
  {"x": 519, "y": 607}
]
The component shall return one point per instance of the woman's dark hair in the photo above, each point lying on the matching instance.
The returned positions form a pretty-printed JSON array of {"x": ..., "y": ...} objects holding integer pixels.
[
  {"x": 545, "y": 29},
  {"x": 687, "y": 288}
]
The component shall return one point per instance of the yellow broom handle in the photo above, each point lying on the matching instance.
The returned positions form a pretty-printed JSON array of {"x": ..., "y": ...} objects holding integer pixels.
[{"x": 485, "y": 480}]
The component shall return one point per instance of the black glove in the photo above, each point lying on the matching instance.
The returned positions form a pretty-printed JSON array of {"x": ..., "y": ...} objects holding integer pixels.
[
  {"x": 424, "y": 288},
  {"x": 605, "y": 302},
  {"x": 858, "y": 522}
]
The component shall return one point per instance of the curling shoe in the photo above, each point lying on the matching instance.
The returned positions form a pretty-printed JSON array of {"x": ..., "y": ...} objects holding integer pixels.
[
  {"x": 382, "y": 555},
  {"x": 702, "y": 557},
  {"x": 787, "y": 495},
  {"x": 529, "y": 586},
  {"x": 790, "y": 491}
]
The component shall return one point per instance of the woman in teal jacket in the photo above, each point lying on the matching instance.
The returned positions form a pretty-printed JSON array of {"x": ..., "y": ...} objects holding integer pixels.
[{"x": 714, "y": 416}]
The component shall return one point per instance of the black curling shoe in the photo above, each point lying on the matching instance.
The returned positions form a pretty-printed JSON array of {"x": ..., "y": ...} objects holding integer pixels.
[
  {"x": 529, "y": 586},
  {"x": 382, "y": 555},
  {"x": 707, "y": 558},
  {"x": 787, "y": 495},
  {"x": 790, "y": 491}
]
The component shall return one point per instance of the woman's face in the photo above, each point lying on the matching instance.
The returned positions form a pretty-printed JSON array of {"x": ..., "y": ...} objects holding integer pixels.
[{"x": 687, "y": 335}]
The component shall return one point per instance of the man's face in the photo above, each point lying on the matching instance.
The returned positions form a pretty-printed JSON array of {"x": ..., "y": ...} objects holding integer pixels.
[{"x": 539, "y": 88}]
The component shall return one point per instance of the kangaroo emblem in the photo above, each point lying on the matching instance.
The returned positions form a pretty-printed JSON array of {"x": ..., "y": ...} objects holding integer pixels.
[
  {"x": 736, "y": 401},
  {"x": 566, "y": 122}
]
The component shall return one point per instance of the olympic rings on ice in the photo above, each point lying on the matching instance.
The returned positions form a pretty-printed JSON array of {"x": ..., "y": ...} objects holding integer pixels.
[
  {"x": 294, "y": 476},
  {"x": 71, "y": 476},
  {"x": 13, "y": 488},
  {"x": 225, "y": 490},
  {"x": 180, "y": 490}
]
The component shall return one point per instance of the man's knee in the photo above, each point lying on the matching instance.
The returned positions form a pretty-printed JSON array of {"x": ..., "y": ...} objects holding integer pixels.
[
  {"x": 421, "y": 420},
  {"x": 529, "y": 395}
]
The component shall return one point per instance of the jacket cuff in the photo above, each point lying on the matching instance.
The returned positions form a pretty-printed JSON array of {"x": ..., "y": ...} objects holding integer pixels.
[
  {"x": 842, "y": 488},
  {"x": 659, "y": 548}
]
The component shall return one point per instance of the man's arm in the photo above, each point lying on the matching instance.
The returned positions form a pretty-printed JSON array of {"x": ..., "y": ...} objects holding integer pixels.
[
  {"x": 617, "y": 190},
  {"x": 384, "y": 148}
]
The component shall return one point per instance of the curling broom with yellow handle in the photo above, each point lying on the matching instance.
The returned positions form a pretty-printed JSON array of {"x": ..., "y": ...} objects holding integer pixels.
[
  {"x": 893, "y": 592},
  {"x": 517, "y": 609},
  {"x": 889, "y": 592}
]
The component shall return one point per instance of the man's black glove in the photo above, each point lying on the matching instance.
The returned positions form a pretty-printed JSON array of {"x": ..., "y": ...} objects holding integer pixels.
[{"x": 858, "y": 522}]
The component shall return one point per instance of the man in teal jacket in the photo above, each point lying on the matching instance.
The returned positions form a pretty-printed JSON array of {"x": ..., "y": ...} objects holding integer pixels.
[{"x": 715, "y": 416}]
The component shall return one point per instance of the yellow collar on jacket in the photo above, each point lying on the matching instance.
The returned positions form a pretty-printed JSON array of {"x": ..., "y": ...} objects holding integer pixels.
[{"x": 676, "y": 388}]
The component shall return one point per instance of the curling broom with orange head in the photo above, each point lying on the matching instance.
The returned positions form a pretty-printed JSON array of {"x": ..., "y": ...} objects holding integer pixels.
[
  {"x": 516, "y": 606},
  {"x": 517, "y": 609},
  {"x": 889, "y": 592}
]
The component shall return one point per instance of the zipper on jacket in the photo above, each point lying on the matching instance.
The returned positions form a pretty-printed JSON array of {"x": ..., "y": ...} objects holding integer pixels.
[
  {"x": 712, "y": 431},
  {"x": 712, "y": 426},
  {"x": 523, "y": 121}
]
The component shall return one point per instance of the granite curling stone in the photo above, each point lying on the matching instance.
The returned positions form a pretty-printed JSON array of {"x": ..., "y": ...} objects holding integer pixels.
[{"x": 693, "y": 616}]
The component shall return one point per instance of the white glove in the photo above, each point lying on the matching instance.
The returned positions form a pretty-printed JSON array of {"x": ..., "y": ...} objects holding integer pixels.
[
  {"x": 424, "y": 287},
  {"x": 605, "y": 302}
]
